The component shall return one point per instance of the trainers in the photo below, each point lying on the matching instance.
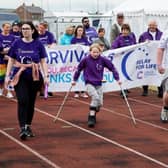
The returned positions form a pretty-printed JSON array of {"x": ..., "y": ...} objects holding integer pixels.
[
  {"x": 91, "y": 121},
  {"x": 76, "y": 95},
  {"x": 23, "y": 134},
  {"x": 1, "y": 92},
  {"x": 160, "y": 94},
  {"x": 50, "y": 94},
  {"x": 29, "y": 132},
  {"x": 41, "y": 94},
  {"x": 164, "y": 115},
  {"x": 84, "y": 95},
  {"x": 9, "y": 95}
]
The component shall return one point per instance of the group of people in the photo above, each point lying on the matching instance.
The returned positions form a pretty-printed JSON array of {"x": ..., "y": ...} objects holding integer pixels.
[
  {"x": 9, "y": 34},
  {"x": 23, "y": 63},
  {"x": 152, "y": 33},
  {"x": 122, "y": 36}
]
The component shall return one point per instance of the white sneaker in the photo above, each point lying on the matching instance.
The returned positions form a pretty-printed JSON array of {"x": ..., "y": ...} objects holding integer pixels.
[
  {"x": 9, "y": 95},
  {"x": 164, "y": 115},
  {"x": 76, "y": 95},
  {"x": 1, "y": 92},
  {"x": 84, "y": 95}
]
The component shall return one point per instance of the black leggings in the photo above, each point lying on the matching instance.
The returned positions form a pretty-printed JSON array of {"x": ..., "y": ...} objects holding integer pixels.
[{"x": 26, "y": 91}]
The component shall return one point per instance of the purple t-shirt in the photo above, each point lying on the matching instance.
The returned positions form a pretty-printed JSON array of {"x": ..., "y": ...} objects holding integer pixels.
[
  {"x": 91, "y": 34},
  {"x": 27, "y": 53},
  {"x": 17, "y": 35},
  {"x": 6, "y": 41},
  {"x": 1, "y": 47},
  {"x": 93, "y": 69},
  {"x": 82, "y": 41},
  {"x": 147, "y": 36},
  {"x": 123, "y": 41},
  {"x": 47, "y": 38},
  {"x": 1, "y": 56}
]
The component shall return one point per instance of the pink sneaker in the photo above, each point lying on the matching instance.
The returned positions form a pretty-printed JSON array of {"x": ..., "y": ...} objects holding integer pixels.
[
  {"x": 76, "y": 95},
  {"x": 9, "y": 95}
]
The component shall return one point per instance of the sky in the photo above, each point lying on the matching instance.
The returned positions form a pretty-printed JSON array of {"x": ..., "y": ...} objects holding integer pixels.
[{"x": 65, "y": 5}]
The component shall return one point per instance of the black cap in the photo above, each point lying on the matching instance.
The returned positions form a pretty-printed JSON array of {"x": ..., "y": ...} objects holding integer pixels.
[{"x": 16, "y": 23}]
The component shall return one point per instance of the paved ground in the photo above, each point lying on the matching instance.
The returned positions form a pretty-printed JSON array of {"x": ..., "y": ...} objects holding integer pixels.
[{"x": 114, "y": 143}]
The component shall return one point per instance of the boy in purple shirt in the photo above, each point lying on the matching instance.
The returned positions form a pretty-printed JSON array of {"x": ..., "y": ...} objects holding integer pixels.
[{"x": 93, "y": 67}]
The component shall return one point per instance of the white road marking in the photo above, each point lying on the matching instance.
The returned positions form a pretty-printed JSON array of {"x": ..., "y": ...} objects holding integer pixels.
[
  {"x": 107, "y": 140},
  {"x": 8, "y": 129},
  {"x": 127, "y": 116},
  {"x": 29, "y": 149},
  {"x": 66, "y": 126}
]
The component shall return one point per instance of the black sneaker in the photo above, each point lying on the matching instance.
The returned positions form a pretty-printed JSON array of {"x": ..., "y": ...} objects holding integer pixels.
[
  {"x": 160, "y": 94},
  {"x": 23, "y": 134},
  {"x": 29, "y": 132},
  {"x": 50, "y": 94},
  {"x": 91, "y": 121},
  {"x": 41, "y": 94}
]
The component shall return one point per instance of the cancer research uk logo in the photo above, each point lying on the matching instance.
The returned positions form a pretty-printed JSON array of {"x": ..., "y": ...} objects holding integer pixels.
[{"x": 137, "y": 64}]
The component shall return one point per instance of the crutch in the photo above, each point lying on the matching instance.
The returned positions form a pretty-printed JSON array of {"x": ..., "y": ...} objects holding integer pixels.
[
  {"x": 63, "y": 102},
  {"x": 130, "y": 110}
]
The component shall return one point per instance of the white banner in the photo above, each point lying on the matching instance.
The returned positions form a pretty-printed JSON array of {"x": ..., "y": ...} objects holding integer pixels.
[{"x": 136, "y": 66}]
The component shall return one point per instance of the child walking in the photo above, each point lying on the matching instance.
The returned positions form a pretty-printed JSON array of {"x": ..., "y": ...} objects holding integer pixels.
[{"x": 93, "y": 66}]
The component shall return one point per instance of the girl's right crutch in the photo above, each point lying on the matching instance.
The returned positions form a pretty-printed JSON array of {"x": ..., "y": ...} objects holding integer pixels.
[
  {"x": 63, "y": 102},
  {"x": 130, "y": 110}
]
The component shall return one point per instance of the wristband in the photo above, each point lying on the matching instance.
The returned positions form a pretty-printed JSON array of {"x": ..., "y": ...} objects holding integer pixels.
[{"x": 46, "y": 76}]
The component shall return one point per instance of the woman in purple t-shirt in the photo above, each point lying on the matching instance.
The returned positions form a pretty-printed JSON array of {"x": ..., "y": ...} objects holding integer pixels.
[
  {"x": 126, "y": 38},
  {"x": 80, "y": 38},
  {"x": 26, "y": 55},
  {"x": 7, "y": 41}
]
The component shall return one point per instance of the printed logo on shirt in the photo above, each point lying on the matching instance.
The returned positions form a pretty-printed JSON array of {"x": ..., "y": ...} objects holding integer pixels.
[
  {"x": 99, "y": 67},
  {"x": 26, "y": 60}
]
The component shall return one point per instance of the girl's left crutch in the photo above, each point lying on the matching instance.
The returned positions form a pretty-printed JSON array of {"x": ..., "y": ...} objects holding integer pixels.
[
  {"x": 63, "y": 102},
  {"x": 130, "y": 110}
]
